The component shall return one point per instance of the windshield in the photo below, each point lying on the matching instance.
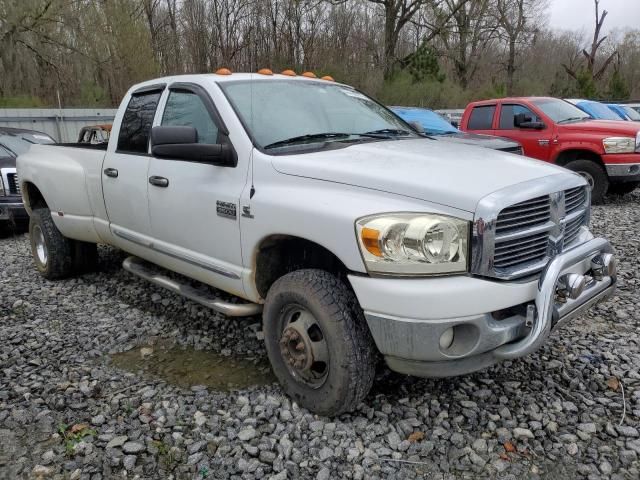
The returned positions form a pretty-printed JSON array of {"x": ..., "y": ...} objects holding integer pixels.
[
  {"x": 278, "y": 113},
  {"x": 598, "y": 110},
  {"x": 4, "y": 152},
  {"x": 631, "y": 113},
  {"x": 433, "y": 123},
  {"x": 20, "y": 143},
  {"x": 560, "y": 111}
]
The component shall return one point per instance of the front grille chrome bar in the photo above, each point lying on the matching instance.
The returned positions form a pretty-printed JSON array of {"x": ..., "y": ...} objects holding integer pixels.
[
  {"x": 518, "y": 230},
  {"x": 545, "y": 298}
]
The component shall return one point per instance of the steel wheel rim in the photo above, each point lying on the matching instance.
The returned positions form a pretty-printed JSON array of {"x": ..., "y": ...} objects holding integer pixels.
[
  {"x": 589, "y": 178},
  {"x": 40, "y": 246},
  {"x": 303, "y": 346}
]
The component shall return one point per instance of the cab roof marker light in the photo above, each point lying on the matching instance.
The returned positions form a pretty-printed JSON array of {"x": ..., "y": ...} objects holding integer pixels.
[
  {"x": 328, "y": 78},
  {"x": 265, "y": 71},
  {"x": 223, "y": 71},
  {"x": 309, "y": 75},
  {"x": 289, "y": 73}
]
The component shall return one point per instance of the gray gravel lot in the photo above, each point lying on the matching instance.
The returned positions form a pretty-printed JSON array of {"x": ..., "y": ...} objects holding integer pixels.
[{"x": 67, "y": 412}]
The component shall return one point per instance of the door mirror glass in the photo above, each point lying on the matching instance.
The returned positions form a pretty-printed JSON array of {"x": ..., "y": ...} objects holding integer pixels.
[{"x": 181, "y": 143}]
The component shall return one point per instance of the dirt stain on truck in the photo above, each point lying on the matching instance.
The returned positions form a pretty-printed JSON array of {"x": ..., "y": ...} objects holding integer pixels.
[{"x": 186, "y": 367}]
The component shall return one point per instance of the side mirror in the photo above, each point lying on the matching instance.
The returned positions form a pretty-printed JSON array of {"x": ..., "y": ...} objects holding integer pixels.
[
  {"x": 522, "y": 120},
  {"x": 417, "y": 127},
  {"x": 181, "y": 143}
]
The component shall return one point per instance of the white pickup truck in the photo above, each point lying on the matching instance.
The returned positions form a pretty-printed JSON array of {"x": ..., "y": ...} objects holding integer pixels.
[{"x": 321, "y": 209}]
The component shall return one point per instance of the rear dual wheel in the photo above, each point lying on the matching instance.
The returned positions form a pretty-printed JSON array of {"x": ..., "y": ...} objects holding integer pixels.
[
  {"x": 55, "y": 255},
  {"x": 318, "y": 341}
]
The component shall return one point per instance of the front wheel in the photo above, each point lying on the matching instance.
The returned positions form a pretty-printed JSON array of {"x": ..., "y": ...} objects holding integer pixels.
[
  {"x": 595, "y": 176},
  {"x": 318, "y": 341}
]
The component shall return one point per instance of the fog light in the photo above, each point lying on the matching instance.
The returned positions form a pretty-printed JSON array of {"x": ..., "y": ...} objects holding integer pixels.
[
  {"x": 572, "y": 285},
  {"x": 446, "y": 339},
  {"x": 604, "y": 264}
]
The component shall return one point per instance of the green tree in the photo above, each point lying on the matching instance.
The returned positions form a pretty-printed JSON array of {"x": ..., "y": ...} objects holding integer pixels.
[
  {"x": 423, "y": 64},
  {"x": 618, "y": 87}
]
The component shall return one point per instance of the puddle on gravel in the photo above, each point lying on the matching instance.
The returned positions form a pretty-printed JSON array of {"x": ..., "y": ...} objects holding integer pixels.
[{"x": 187, "y": 367}]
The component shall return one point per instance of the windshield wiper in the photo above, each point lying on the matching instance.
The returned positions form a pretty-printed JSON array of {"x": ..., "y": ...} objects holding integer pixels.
[
  {"x": 572, "y": 119},
  {"x": 304, "y": 138},
  {"x": 382, "y": 134},
  {"x": 387, "y": 131}
]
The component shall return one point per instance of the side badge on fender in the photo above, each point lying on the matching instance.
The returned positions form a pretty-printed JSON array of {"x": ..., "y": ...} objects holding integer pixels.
[{"x": 226, "y": 209}]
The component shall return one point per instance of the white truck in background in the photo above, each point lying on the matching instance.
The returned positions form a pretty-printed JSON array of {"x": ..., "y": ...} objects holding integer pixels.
[{"x": 321, "y": 209}]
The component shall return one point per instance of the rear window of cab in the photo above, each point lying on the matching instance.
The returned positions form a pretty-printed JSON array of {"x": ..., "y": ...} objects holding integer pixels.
[{"x": 481, "y": 117}]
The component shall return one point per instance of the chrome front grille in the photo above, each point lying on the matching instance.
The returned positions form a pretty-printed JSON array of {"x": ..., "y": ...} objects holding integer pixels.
[
  {"x": 524, "y": 215},
  {"x": 14, "y": 185},
  {"x": 574, "y": 199},
  {"x": 521, "y": 250},
  {"x": 516, "y": 240}
]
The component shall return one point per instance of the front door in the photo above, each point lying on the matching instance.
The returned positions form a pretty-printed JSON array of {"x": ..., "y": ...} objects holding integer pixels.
[
  {"x": 535, "y": 142},
  {"x": 194, "y": 207}
]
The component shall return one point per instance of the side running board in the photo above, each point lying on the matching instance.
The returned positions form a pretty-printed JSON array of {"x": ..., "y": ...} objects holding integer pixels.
[{"x": 148, "y": 272}]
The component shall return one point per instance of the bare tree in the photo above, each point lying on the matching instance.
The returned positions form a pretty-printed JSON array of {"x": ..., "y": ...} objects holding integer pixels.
[
  {"x": 591, "y": 56},
  {"x": 516, "y": 27}
]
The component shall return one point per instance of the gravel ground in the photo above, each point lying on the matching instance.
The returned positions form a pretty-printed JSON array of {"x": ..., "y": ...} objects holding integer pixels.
[{"x": 67, "y": 412}]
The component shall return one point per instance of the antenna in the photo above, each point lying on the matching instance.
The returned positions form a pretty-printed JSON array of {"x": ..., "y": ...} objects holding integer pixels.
[{"x": 253, "y": 188}]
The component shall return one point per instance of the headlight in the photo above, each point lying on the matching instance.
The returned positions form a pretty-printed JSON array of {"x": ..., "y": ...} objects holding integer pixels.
[
  {"x": 413, "y": 244},
  {"x": 619, "y": 144},
  {"x": 1, "y": 186},
  {"x": 638, "y": 142}
]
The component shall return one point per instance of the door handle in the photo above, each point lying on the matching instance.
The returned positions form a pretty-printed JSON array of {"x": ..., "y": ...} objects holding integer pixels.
[
  {"x": 158, "y": 181},
  {"x": 111, "y": 172}
]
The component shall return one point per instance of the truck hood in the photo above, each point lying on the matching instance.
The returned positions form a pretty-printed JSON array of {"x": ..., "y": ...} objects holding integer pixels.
[
  {"x": 605, "y": 127},
  {"x": 457, "y": 176},
  {"x": 486, "y": 141}
]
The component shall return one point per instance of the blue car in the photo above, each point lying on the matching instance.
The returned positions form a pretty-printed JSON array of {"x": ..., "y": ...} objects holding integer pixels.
[
  {"x": 596, "y": 110},
  {"x": 625, "y": 112},
  {"x": 434, "y": 125}
]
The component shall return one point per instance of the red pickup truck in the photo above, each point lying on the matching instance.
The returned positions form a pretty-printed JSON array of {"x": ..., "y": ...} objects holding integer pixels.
[{"x": 606, "y": 153}]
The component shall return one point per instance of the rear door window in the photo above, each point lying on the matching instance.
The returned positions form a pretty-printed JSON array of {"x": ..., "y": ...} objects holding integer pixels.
[
  {"x": 481, "y": 117},
  {"x": 135, "y": 128}
]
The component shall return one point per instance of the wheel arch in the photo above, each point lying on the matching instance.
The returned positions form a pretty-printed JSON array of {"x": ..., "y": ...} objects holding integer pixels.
[
  {"x": 279, "y": 254},
  {"x": 32, "y": 197},
  {"x": 569, "y": 155}
]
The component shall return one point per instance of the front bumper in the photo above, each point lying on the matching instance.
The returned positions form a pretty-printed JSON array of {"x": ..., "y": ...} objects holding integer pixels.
[
  {"x": 491, "y": 320},
  {"x": 12, "y": 208},
  {"x": 623, "y": 167}
]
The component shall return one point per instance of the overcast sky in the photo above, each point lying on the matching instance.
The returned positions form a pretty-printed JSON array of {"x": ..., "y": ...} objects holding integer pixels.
[{"x": 580, "y": 14}]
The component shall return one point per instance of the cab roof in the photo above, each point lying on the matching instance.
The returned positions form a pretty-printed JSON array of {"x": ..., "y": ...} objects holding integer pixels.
[
  {"x": 511, "y": 99},
  {"x": 233, "y": 77}
]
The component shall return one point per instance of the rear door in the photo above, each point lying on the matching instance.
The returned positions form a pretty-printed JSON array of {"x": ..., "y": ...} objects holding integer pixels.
[
  {"x": 194, "y": 208},
  {"x": 481, "y": 119},
  {"x": 536, "y": 143},
  {"x": 125, "y": 168}
]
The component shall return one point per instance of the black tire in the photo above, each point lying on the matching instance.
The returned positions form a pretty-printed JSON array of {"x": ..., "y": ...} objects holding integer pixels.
[
  {"x": 352, "y": 355},
  {"x": 623, "y": 188},
  {"x": 5, "y": 228},
  {"x": 595, "y": 175},
  {"x": 85, "y": 256},
  {"x": 57, "y": 261}
]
